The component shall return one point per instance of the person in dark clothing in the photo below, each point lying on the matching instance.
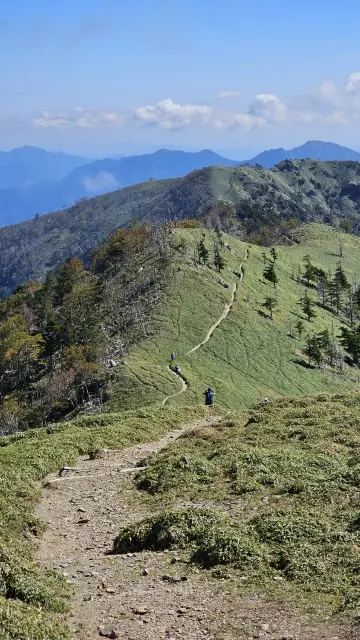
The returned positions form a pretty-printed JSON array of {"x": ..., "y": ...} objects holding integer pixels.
[
  {"x": 209, "y": 396},
  {"x": 172, "y": 356},
  {"x": 177, "y": 369}
]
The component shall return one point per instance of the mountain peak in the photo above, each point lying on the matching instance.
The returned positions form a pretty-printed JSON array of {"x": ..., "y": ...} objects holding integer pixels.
[{"x": 315, "y": 149}]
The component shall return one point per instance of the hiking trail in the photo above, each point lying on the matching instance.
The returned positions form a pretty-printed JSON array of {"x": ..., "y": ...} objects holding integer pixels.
[
  {"x": 184, "y": 386},
  {"x": 224, "y": 315},
  {"x": 146, "y": 595}
]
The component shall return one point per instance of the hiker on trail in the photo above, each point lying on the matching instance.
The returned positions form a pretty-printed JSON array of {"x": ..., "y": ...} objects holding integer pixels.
[
  {"x": 172, "y": 356},
  {"x": 209, "y": 396},
  {"x": 177, "y": 369}
]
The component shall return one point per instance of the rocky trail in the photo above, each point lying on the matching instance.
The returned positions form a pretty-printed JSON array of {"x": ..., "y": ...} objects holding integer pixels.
[{"x": 149, "y": 596}]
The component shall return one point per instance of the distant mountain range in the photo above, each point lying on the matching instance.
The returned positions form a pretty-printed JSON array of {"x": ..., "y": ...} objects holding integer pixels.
[
  {"x": 313, "y": 149},
  {"x": 40, "y": 165},
  {"x": 36, "y": 181},
  {"x": 101, "y": 176}
]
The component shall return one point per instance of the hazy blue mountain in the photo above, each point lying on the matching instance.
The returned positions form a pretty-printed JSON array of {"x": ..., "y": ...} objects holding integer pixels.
[
  {"x": 23, "y": 200},
  {"x": 17, "y": 174},
  {"x": 47, "y": 165},
  {"x": 104, "y": 175},
  {"x": 101, "y": 176},
  {"x": 314, "y": 149}
]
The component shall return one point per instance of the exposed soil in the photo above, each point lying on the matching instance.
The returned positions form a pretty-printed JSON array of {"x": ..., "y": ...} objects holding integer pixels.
[{"x": 127, "y": 596}]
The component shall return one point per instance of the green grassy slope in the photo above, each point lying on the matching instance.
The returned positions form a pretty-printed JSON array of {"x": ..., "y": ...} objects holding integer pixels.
[
  {"x": 249, "y": 356},
  {"x": 275, "y": 500},
  {"x": 306, "y": 189},
  {"x": 30, "y": 596}
]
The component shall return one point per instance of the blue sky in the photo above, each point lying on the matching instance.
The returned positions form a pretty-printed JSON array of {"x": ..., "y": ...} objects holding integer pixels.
[{"x": 120, "y": 77}]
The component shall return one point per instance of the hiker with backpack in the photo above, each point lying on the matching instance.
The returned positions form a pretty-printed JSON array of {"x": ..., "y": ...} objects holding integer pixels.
[{"x": 209, "y": 397}]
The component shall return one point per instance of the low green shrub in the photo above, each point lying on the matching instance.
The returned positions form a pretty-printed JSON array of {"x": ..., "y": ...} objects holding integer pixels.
[
  {"x": 172, "y": 471},
  {"x": 168, "y": 529}
]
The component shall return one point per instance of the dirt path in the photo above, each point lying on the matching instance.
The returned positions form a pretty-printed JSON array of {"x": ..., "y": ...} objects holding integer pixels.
[
  {"x": 226, "y": 311},
  {"x": 183, "y": 387},
  {"x": 223, "y": 316},
  {"x": 127, "y": 596}
]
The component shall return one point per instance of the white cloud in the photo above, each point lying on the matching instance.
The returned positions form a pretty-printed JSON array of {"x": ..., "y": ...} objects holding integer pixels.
[
  {"x": 353, "y": 82},
  {"x": 268, "y": 108},
  {"x": 328, "y": 103},
  {"x": 265, "y": 109},
  {"x": 80, "y": 118},
  {"x": 170, "y": 115},
  {"x": 101, "y": 182},
  {"x": 325, "y": 104},
  {"x": 232, "y": 93}
]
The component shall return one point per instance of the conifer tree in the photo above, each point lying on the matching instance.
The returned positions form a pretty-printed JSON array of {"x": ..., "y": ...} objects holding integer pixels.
[
  {"x": 299, "y": 326},
  {"x": 270, "y": 304},
  {"x": 340, "y": 285},
  {"x": 350, "y": 340},
  {"x": 270, "y": 274},
  {"x": 309, "y": 272},
  {"x": 340, "y": 277},
  {"x": 313, "y": 350},
  {"x": 273, "y": 254},
  {"x": 219, "y": 261},
  {"x": 203, "y": 252},
  {"x": 307, "y": 307}
]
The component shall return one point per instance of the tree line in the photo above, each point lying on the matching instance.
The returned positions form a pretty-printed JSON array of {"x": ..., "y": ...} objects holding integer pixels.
[{"x": 59, "y": 338}]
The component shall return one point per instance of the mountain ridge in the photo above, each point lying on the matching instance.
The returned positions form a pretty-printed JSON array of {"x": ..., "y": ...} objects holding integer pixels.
[
  {"x": 23, "y": 197},
  {"x": 243, "y": 198},
  {"x": 101, "y": 176}
]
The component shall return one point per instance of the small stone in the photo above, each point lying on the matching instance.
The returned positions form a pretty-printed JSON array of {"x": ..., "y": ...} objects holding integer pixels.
[
  {"x": 81, "y": 510},
  {"x": 181, "y": 610},
  {"x": 110, "y": 590},
  {"x": 172, "y": 579},
  {"x": 83, "y": 521},
  {"x": 108, "y": 632},
  {"x": 145, "y": 572},
  {"x": 265, "y": 627},
  {"x": 173, "y": 561},
  {"x": 140, "y": 611},
  {"x": 87, "y": 598}
]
